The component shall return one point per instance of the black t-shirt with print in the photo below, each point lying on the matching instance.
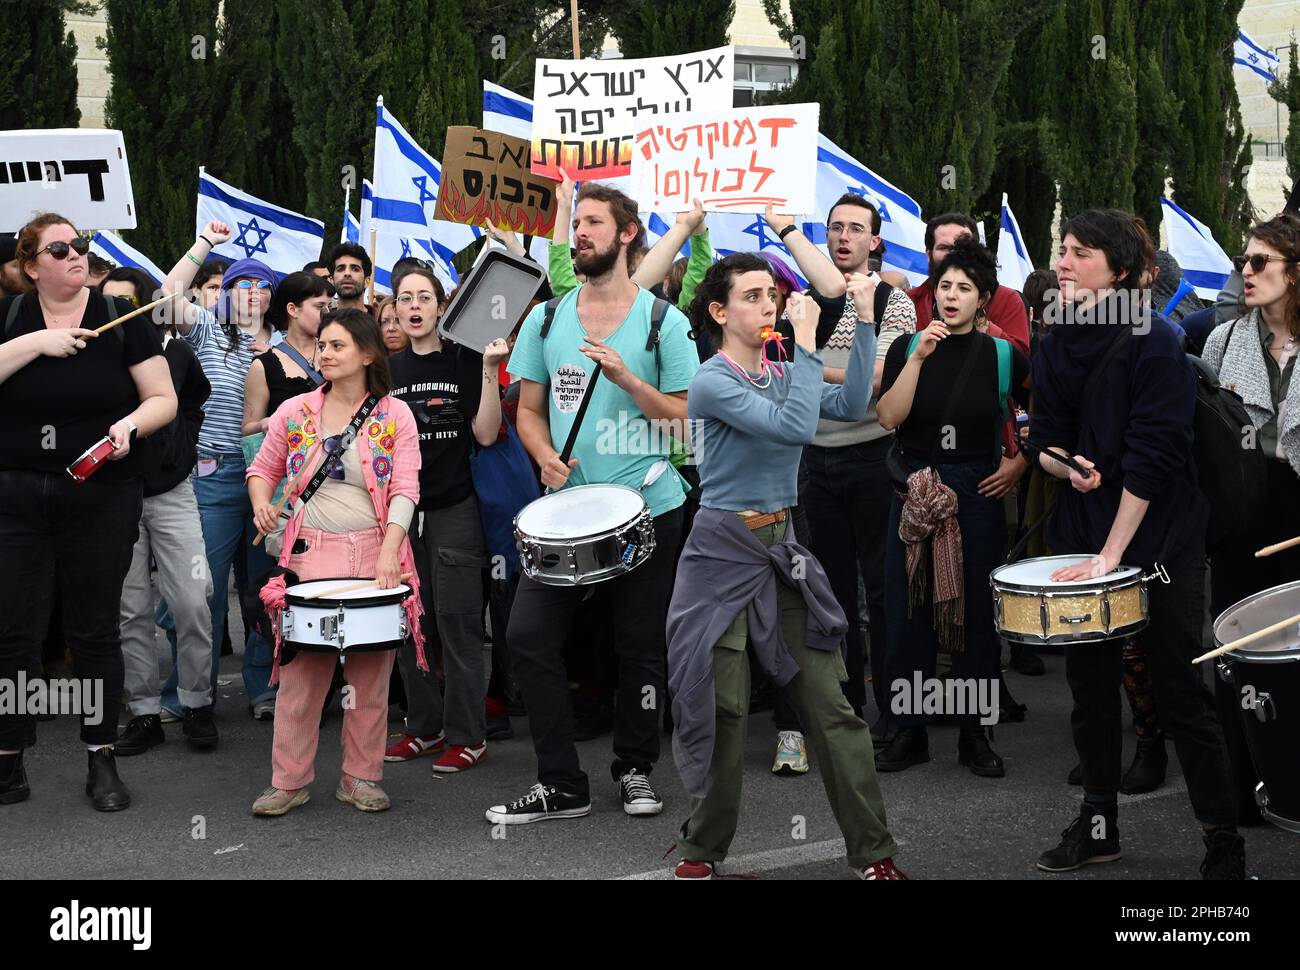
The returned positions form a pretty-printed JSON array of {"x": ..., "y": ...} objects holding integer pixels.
[
  {"x": 443, "y": 390},
  {"x": 975, "y": 419},
  {"x": 57, "y": 407}
]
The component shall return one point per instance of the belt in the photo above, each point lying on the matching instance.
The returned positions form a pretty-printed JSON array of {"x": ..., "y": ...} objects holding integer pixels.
[{"x": 755, "y": 520}]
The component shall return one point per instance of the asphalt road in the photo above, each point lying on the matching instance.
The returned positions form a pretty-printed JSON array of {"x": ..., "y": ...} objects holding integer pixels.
[{"x": 950, "y": 824}]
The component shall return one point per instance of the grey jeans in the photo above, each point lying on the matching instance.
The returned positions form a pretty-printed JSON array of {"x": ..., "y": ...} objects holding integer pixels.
[
  {"x": 450, "y": 554},
  {"x": 171, "y": 530}
]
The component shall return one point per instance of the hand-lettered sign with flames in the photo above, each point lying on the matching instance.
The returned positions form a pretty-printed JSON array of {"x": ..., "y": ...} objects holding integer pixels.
[{"x": 485, "y": 177}]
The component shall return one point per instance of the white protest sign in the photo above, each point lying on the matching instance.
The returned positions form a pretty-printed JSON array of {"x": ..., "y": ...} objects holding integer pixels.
[
  {"x": 81, "y": 175},
  {"x": 736, "y": 160},
  {"x": 585, "y": 113}
]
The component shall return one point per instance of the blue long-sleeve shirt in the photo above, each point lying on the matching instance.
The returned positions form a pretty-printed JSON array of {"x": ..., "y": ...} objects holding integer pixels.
[
  {"x": 748, "y": 439},
  {"x": 1138, "y": 434}
]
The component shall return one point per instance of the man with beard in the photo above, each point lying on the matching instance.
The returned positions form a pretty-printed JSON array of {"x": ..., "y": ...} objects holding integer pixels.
[
  {"x": 349, "y": 266},
  {"x": 609, "y": 321}
]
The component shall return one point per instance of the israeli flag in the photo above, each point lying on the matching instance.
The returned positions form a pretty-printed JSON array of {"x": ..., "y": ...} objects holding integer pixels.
[
  {"x": 351, "y": 228},
  {"x": 1014, "y": 264},
  {"x": 1204, "y": 263},
  {"x": 113, "y": 248},
  {"x": 282, "y": 239},
  {"x": 837, "y": 173},
  {"x": 404, "y": 194},
  {"x": 1249, "y": 55},
  {"x": 390, "y": 248}
]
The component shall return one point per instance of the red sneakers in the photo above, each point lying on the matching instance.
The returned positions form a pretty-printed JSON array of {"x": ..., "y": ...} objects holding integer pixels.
[
  {"x": 884, "y": 869},
  {"x": 693, "y": 870},
  {"x": 410, "y": 746},
  {"x": 458, "y": 757}
]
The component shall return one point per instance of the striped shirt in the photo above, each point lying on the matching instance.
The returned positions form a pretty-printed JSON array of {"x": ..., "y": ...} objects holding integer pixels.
[{"x": 226, "y": 370}]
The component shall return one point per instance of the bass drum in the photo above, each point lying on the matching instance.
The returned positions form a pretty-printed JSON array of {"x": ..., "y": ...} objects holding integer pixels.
[{"x": 1266, "y": 676}]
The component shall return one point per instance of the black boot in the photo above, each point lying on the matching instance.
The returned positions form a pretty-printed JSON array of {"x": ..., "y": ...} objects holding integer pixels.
[
  {"x": 1092, "y": 837},
  {"x": 103, "y": 785},
  {"x": 140, "y": 734},
  {"x": 1025, "y": 661},
  {"x": 13, "y": 779},
  {"x": 1147, "y": 772},
  {"x": 883, "y": 731},
  {"x": 910, "y": 746},
  {"x": 1075, "y": 777},
  {"x": 975, "y": 752},
  {"x": 1225, "y": 855},
  {"x": 200, "y": 730}
]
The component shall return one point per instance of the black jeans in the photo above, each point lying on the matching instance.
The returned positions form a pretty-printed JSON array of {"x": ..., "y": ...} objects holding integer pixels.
[
  {"x": 913, "y": 645},
  {"x": 539, "y": 627},
  {"x": 846, "y": 500},
  {"x": 84, "y": 535},
  {"x": 1185, "y": 705},
  {"x": 1235, "y": 573}
]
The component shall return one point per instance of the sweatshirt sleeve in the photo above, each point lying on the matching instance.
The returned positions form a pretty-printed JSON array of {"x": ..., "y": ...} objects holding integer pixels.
[
  {"x": 1158, "y": 437},
  {"x": 717, "y": 394},
  {"x": 699, "y": 263},
  {"x": 848, "y": 401},
  {"x": 406, "y": 456},
  {"x": 1053, "y": 420},
  {"x": 560, "y": 269}
]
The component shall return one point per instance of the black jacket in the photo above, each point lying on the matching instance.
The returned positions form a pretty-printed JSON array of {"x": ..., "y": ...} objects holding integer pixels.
[{"x": 172, "y": 451}]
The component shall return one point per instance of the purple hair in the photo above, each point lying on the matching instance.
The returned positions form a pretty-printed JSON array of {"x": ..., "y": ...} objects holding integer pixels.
[{"x": 782, "y": 272}]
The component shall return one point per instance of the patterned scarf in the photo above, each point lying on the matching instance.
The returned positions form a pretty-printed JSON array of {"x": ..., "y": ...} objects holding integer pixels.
[{"x": 930, "y": 513}]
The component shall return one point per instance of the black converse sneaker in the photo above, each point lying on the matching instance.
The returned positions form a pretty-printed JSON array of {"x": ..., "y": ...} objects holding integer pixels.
[
  {"x": 541, "y": 802},
  {"x": 638, "y": 797}
]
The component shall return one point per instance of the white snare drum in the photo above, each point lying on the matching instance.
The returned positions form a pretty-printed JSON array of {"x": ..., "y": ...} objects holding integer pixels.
[
  {"x": 360, "y": 621},
  {"x": 1028, "y": 607},
  {"x": 583, "y": 535}
]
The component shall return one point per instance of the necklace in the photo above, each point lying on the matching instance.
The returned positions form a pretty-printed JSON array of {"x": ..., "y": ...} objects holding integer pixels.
[{"x": 766, "y": 371}]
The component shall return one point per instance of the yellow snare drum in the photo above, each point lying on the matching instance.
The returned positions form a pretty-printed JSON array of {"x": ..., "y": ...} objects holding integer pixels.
[{"x": 1028, "y": 607}]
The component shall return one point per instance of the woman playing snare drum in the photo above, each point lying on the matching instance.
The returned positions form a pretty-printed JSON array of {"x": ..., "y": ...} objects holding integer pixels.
[{"x": 353, "y": 524}]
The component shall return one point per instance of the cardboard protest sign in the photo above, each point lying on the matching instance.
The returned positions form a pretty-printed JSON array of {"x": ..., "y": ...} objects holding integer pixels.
[
  {"x": 585, "y": 113},
  {"x": 81, "y": 175},
  {"x": 485, "y": 176},
  {"x": 737, "y": 160}
]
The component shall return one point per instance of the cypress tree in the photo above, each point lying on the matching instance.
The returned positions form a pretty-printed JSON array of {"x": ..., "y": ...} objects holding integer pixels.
[
  {"x": 1213, "y": 152},
  {"x": 38, "y": 71},
  {"x": 1288, "y": 92},
  {"x": 162, "y": 60},
  {"x": 1158, "y": 107},
  {"x": 651, "y": 28},
  {"x": 1096, "y": 116}
]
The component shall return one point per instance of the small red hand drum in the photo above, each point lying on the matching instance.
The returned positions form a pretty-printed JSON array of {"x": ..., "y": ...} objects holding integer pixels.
[{"x": 91, "y": 460}]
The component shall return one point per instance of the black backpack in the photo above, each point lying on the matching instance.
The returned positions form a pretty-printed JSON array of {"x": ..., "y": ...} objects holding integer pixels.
[{"x": 1232, "y": 468}]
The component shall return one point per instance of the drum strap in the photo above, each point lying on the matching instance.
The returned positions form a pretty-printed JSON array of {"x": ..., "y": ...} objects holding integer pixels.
[{"x": 349, "y": 433}]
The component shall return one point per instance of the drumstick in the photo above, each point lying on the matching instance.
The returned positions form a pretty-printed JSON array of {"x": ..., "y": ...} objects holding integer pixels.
[
  {"x": 134, "y": 313},
  {"x": 1065, "y": 459},
  {"x": 577, "y": 418},
  {"x": 1277, "y": 547},
  {"x": 350, "y": 588},
  {"x": 1251, "y": 638},
  {"x": 279, "y": 507}
]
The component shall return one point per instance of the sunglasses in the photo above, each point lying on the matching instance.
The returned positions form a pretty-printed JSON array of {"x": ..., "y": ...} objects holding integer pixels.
[
  {"x": 60, "y": 250},
  {"x": 252, "y": 284},
  {"x": 1258, "y": 261},
  {"x": 333, "y": 447}
]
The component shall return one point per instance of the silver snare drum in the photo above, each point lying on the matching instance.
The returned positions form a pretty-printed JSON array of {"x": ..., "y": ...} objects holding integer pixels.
[
  {"x": 358, "y": 621},
  {"x": 583, "y": 535}
]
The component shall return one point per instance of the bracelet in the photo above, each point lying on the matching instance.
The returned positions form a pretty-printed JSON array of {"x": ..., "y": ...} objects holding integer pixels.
[
  {"x": 786, "y": 231},
  {"x": 190, "y": 256},
  {"x": 211, "y": 244}
]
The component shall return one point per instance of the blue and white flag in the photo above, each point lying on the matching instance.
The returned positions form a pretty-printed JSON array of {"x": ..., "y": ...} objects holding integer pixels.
[
  {"x": 1252, "y": 57},
  {"x": 1204, "y": 263},
  {"x": 404, "y": 194},
  {"x": 351, "y": 228},
  {"x": 113, "y": 248},
  {"x": 390, "y": 248},
  {"x": 506, "y": 112},
  {"x": 1014, "y": 264},
  {"x": 284, "y": 240}
]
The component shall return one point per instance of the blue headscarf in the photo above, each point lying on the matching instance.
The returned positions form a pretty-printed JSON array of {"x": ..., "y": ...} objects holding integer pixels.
[{"x": 241, "y": 269}]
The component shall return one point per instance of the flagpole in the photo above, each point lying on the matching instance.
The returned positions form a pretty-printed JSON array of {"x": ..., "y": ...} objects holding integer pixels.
[
  {"x": 573, "y": 16},
  {"x": 347, "y": 211},
  {"x": 374, "y": 251}
]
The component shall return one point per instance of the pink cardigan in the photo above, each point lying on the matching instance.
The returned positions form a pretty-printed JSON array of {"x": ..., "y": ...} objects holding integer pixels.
[{"x": 390, "y": 438}]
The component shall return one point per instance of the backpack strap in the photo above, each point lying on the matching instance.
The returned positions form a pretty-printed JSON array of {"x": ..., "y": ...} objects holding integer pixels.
[
  {"x": 110, "y": 305},
  {"x": 1004, "y": 376},
  {"x": 548, "y": 314},
  {"x": 658, "y": 313}
]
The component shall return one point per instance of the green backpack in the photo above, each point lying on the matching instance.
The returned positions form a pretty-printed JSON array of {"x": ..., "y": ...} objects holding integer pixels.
[{"x": 1004, "y": 370}]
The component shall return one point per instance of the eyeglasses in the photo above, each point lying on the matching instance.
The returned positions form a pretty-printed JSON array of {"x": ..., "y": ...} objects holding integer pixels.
[
  {"x": 253, "y": 284},
  {"x": 60, "y": 250},
  {"x": 425, "y": 297},
  {"x": 1258, "y": 261},
  {"x": 847, "y": 228}
]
